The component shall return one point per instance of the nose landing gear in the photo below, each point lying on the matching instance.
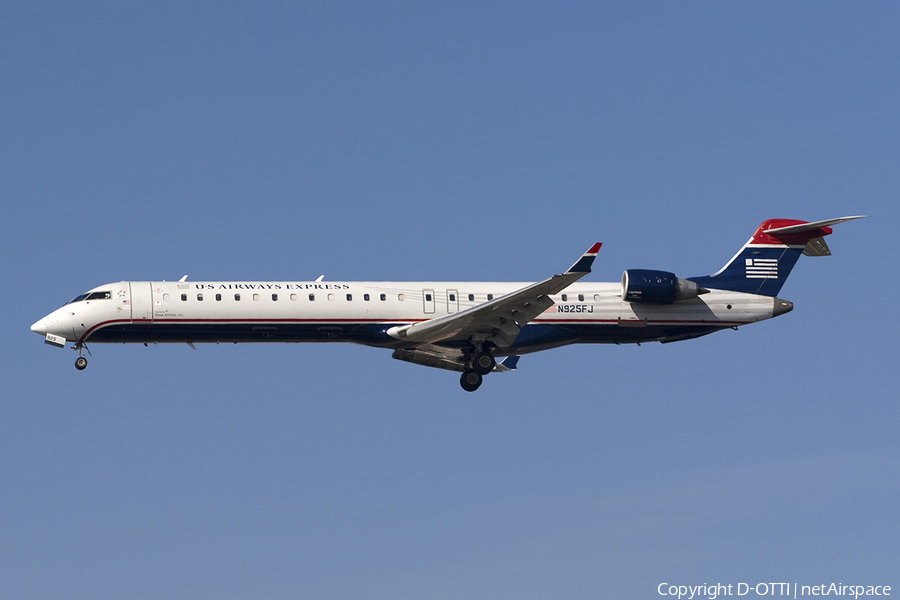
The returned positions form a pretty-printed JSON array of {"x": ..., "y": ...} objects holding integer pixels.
[{"x": 81, "y": 361}]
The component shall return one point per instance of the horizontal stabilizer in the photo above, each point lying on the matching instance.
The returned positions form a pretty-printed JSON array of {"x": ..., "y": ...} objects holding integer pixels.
[{"x": 811, "y": 226}]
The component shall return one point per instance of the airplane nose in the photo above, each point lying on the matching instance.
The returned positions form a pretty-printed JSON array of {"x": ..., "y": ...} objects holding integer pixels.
[{"x": 40, "y": 327}]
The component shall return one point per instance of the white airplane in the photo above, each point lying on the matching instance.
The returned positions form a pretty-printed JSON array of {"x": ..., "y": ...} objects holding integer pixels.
[{"x": 458, "y": 326}]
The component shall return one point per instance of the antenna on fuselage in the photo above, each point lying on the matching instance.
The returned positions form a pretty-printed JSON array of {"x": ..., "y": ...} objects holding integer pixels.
[
  {"x": 183, "y": 278},
  {"x": 321, "y": 277}
]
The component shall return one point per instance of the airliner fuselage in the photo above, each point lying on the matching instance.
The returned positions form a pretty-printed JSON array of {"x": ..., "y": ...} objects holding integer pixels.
[
  {"x": 363, "y": 313},
  {"x": 460, "y": 326}
]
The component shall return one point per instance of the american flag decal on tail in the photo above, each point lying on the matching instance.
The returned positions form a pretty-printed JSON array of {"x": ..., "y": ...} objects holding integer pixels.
[{"x": 762, "y": 268}]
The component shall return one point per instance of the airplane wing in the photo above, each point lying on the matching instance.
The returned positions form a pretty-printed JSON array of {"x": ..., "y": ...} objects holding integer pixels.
[{"x": 499, "y": 320}]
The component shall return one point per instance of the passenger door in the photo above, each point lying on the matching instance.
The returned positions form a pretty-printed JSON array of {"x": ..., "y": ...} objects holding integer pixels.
[{"x": 141, "y": 301}]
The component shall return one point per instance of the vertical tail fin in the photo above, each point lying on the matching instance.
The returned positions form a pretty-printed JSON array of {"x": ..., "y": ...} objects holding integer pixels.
[{"x": 765, "y": 261}]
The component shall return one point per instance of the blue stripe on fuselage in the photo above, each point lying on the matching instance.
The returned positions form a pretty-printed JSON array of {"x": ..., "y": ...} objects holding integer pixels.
[{"x": 532, "y": 337}]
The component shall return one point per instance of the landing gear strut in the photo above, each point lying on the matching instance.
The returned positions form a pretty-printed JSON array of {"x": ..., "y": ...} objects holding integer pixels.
[
  {"x": 81, "y": 361},
  {"x": 470, "y": 380}
]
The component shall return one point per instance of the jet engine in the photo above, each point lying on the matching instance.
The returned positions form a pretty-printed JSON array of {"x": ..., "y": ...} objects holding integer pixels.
[{"x": 657, "y": 287}]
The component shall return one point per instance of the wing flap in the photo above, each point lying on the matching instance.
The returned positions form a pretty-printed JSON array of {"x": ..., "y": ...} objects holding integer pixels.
[
  {"x": 437, "y": 360},
  {"x": 447, "y": 358}
]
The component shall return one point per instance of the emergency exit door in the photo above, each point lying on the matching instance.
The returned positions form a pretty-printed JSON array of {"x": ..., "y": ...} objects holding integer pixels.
[{"x": 428, "y": 300}]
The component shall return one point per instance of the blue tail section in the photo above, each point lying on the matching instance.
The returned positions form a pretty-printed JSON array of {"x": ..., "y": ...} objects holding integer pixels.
[
  {"x": 754, "y": 270},
  {"x": 765, "y": 261}
]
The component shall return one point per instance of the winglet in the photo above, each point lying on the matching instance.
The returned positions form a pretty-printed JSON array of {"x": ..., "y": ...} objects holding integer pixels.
[{"x": 587, "y": 259}]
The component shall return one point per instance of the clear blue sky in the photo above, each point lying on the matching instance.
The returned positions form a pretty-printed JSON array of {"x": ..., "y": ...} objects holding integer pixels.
[{"x": 460, "y": 141}]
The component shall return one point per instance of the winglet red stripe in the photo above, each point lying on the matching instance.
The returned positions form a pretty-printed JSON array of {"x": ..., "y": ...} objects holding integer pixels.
[{"x": 587, "y": 259}]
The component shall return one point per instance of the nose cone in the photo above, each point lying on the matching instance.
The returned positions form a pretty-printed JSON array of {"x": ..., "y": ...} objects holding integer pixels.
[
  {"x": 781, "y": 306},
  {"x": 40, "y": 327}
]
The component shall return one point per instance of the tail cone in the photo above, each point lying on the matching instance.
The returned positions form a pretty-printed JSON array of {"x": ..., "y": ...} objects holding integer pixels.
[{"x": 781, "y": 306}]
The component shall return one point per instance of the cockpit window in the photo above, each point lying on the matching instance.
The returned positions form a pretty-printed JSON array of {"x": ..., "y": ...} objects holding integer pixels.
[{"x": 91, "y": 296}]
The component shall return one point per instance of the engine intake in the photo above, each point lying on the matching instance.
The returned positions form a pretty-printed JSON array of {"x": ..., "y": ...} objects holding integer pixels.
[{"x": 657, "y": 287}]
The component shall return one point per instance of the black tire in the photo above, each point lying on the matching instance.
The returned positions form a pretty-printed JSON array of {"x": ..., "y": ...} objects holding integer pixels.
[
  {"x": 483, "y": 363},
  {"x": 470, "y": 380},
  {"x": 80, "y": 363}
]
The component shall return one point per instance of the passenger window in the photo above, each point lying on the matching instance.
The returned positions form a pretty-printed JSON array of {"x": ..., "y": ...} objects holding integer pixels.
[
  {"x": 237, "y": 297},
  {"x": 490, "y": 296},
  {"x": 184, "y": 297},
  {"x": 427, "y": 297},
  {"x": 581, "y": 297},
  {"x": 349, "y": 297},
  {"x": 312, "y": 297},
  {"x": 166, "y": 297},
  {"x": 596, "y": 297},
  {"x": 256, "y": 297},
  {"x": 400, "y": 297},
  {"x": 383, "y": 297},
  {"x": 452, "y": 297},
  {"x": 366, "y": 297},
  {"x": 274, "y": 297},
  {"x": 331, "y": 296},
  {"x": 471, "y": 297},
  {"x": 293, "y": 297},
  {"x": 564, "y": 298},
  {"x": 218, "y": 297},
  {"x": 200, "y": 297}
]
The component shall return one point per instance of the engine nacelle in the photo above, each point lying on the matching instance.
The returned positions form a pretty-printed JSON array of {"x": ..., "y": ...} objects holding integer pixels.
[{"x": 657, "y": 287}]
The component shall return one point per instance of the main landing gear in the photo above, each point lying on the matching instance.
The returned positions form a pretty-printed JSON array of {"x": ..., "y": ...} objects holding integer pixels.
[
  {"x": 470, "y": 380},
  {"x": 480, "y": 365},
  {"x": 81, "y": 361},
  {"x": 483, "y": 363}
]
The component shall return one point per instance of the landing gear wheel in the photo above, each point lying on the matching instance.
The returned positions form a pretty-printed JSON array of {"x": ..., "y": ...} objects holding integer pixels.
[
  {"x": 483, "y": 363},
  {"x": 470, "y": 380},
  {"x": 80, "y": 363}
]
